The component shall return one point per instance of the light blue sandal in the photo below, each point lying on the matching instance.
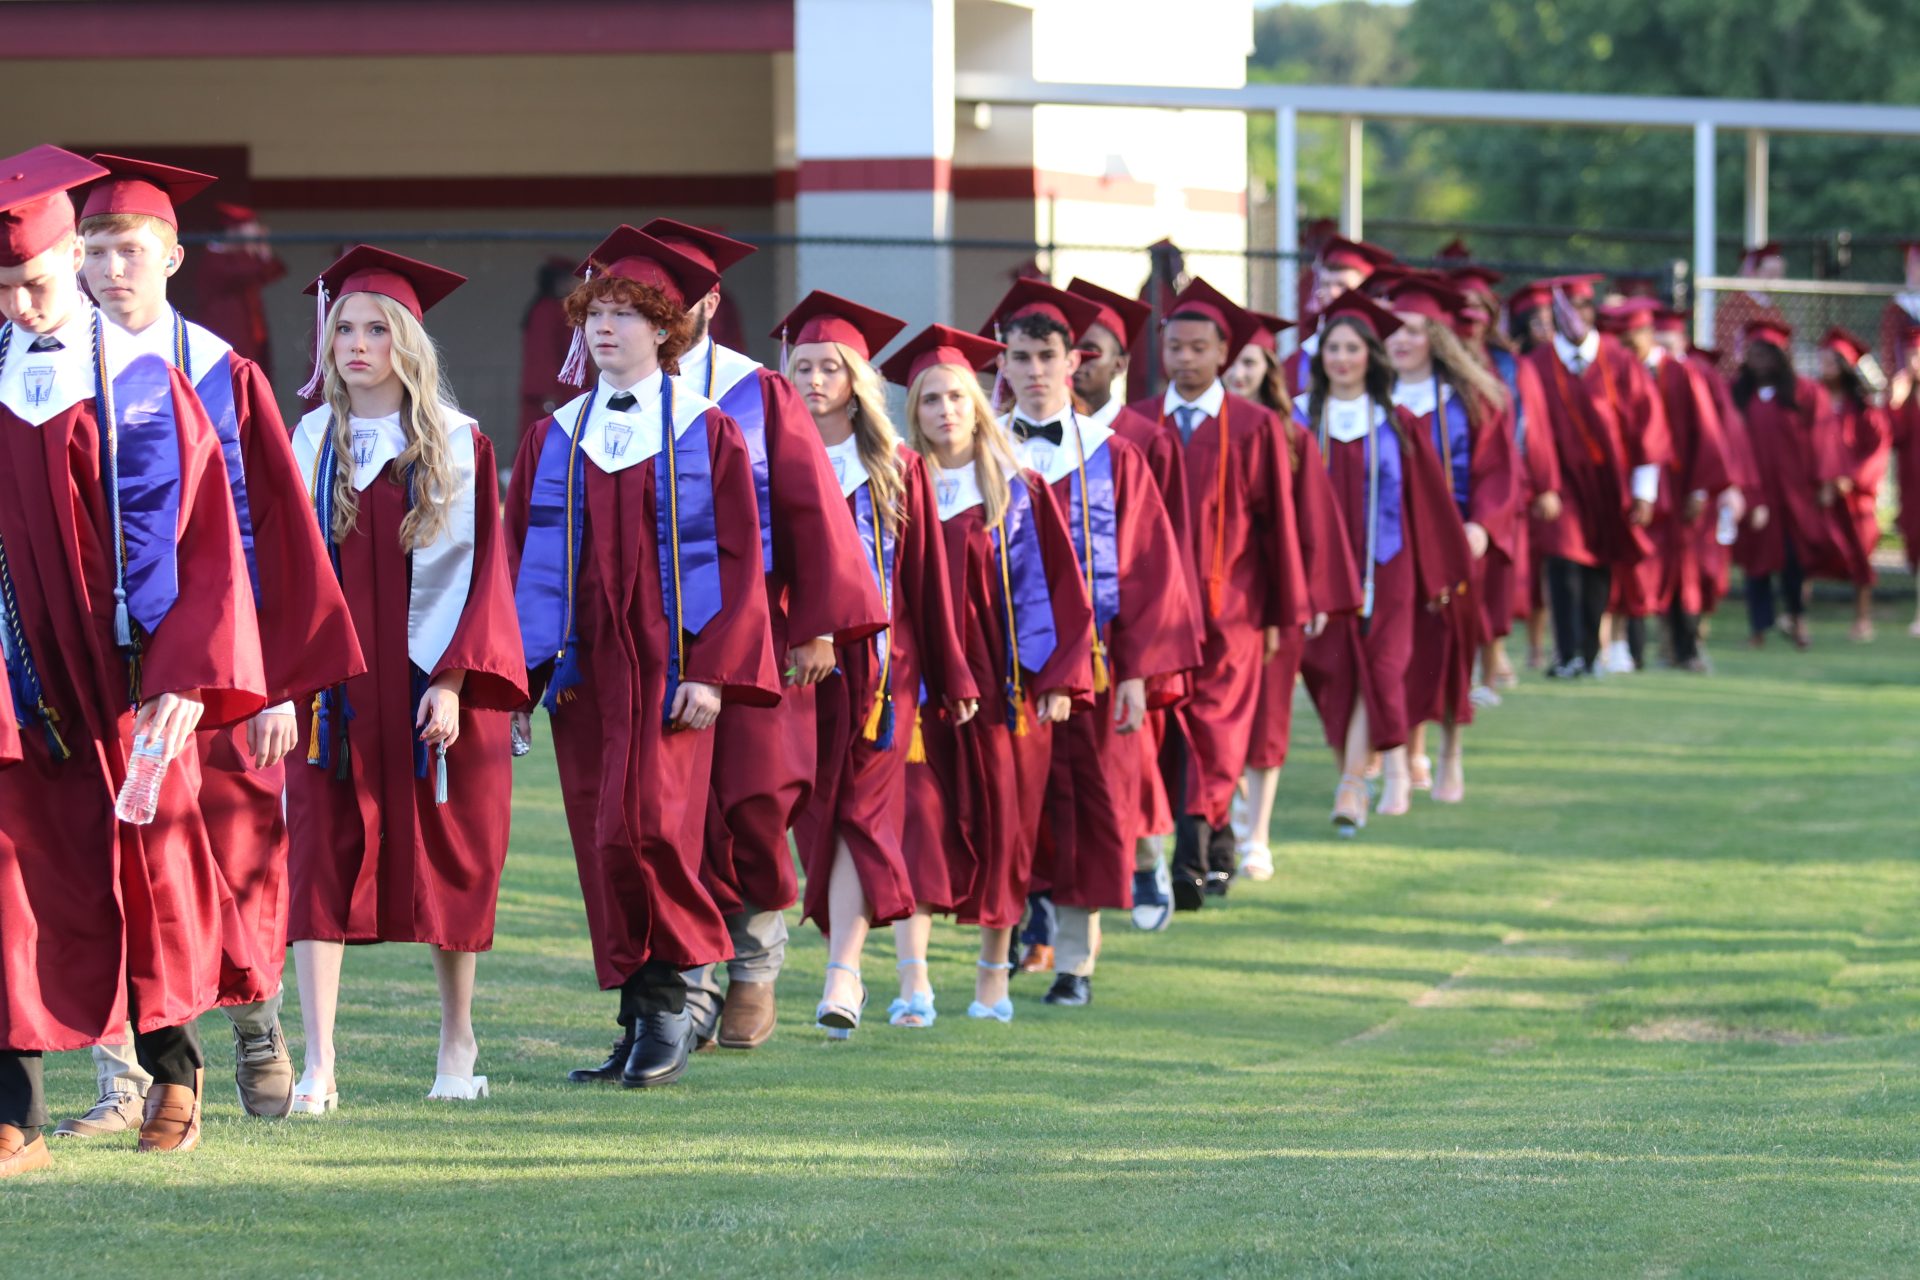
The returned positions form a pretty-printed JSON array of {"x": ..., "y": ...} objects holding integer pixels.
[
  {"x": 1002, "y": 1009},
  {"x": 918, "y": 1006},
  {"x": 839, "y": 1020}
]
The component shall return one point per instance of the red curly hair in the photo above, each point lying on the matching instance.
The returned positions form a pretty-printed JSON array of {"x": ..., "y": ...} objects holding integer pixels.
[{"x": 648, "y": 300}]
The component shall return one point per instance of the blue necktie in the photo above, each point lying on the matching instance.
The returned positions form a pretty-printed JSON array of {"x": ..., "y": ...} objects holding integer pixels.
[{"x": 1189, "y": 418}]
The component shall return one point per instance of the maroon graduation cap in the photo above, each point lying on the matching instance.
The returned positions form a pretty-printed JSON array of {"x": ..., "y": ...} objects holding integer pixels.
[
  {"x": 414, "y": 284},
  {"x": 35, "y": 209},
  {"x": 1236, "y": 324},
  {"x": 143, "y": 187},
  {"x": 1376, "y": 318},
  {"x": 1125, "y": 318},
  {"x": 825, "y": 317},
  {"x": 1030, "y": 297},
  {"x": 715, "y": 252},
  {"x": 940, "y": 344}
]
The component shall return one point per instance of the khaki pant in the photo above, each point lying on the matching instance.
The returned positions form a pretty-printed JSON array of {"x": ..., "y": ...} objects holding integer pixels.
[
  {"x": 1077, "y": 943},
  {"x": 120, "y": 1072}
]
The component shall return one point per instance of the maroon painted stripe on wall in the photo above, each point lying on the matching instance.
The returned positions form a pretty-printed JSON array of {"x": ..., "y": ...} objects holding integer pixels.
[
  {"x": 378, "y": 28},
  {"x": 718, "y": 189}
]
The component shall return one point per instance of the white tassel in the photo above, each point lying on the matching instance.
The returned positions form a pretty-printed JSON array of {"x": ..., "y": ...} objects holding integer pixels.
[
  {"x": 574, "y": 371},
  {"x": 311, "y": 391}
]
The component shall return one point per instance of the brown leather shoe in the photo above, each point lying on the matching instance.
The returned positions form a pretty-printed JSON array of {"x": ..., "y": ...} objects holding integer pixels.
[
  {"x": 19, "y": 1156},
  {"x": 111, "y": 1113},
  {"x": 747, "y": 1018},
  {"x": 172, "y": 1121},
  {"x": 263, "y": 1073},
  {"x": 1039, "y": 959}
]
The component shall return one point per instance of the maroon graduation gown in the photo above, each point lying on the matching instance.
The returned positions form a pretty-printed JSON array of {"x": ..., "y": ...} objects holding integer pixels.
[
  {"x": 764, "y": 758},
  {"x": 635, "y": 792},
  {"x": 307, "y": 642},
  {"x": 1447, "y": 641},
  {"x": 9, "y": 729},
  {"x": 374, "y": 859},
  {"x": 1349, "y": 661},
  {"x": 1333, "y": 587},
  {"x": 1698, "y": 465},
  {"x": 99, "y": 919},
  {"x": 1794, "y": 461},
  {"x": 1244, "y": 541},
  {"x": 974, "y": 807},
  {"x": 1602, "y": 424},
  {"x": 1905, "y": 432},
  {"x": 1512, "y": 585},
  {"x": 1093, "y": 799},
  {"x": 227, "y": 285},
  {"x": 1861, "y": 441},
  {"x": 1716, "y": 559},
  {"x": 860, "y": 794}
]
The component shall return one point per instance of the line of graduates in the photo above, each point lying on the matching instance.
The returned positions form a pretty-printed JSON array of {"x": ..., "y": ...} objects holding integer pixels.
[{"x": 981, "y": 663}]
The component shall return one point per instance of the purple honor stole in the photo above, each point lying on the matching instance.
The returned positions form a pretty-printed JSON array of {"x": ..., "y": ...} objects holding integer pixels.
[
  {"x": 883, "y": 551},
  {"x": 688, "y": 547},
  {"x": 141, "y": 442},
  {"x": 746, "y": 404},
  {"x": 1091, "y": 517},
  {"x": 327, "y": 740},
  {"x": 1025, "y": 596},
  {"x": 215, "y": 389}
]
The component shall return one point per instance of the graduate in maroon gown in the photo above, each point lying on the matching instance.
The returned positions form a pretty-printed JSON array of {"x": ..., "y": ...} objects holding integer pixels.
[
  {"x": 1736, "y": 506},
  {"x": 124, "y": 613},
  {"x": 1611, "y": 438},
  {"x": 1463, "y": 409},
  {"x": 850, "y": 837},
  {"x": 643, "y": 610},
  {"x": 1504, "y": 590},
  {"x": 1529, "y": 324},
  {"x": 1861, "y": 437},
  {"x": 1333, "y": 587},
  {"x": 1735, "y": 312},
  {"x": 1903, "y": 413},
  {"x": 819, "y": 595},
  {"x": 228, "y": 281},
  {"x": 1244, "y": 544},
  {"x": 974, "y": 808},
  {"x": 1144, "y": 631},
  {"x": 1340, "y": 265},
  {"x": 1107, "y": 351},
  {"x": 1804, "y": 535},
  {"x": 1693, "y": 482},
  {"x": 132, "y": 247},
  {"x": 1402, "y": 526},
  {"x": 401, "y": 798},
  {"x": 545, "y": 337}
]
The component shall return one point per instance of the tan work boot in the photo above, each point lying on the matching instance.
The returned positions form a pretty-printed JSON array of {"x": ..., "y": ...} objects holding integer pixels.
[
  {"x": 19, "y": 1156},
  {"x": 747, "y": 1017},
  {"x": 112, "y": 1112},
  {"x": 172, "y": 1121},
  {"x": 263, "y": 1073}
]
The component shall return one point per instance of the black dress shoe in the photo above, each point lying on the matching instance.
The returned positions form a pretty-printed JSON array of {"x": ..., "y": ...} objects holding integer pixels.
[
  {"x": 610, "y": 1069},
  {"x": 661, "y": 1045},
  {"x": 1217, "y": 882},
  {"x": 1189, "y": 893},
  {"x": 1071, "y": 990}
]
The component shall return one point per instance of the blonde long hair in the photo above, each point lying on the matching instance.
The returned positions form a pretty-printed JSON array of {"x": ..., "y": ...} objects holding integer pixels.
[
  {"x": 879, "y": 443},
  {"x": 994, "y": 461},
  {"x": 1466, "y": 373},
  {"x": 424, "y": 407}
]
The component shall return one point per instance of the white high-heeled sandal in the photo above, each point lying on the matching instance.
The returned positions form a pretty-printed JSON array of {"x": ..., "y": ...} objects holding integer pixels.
[
  {"x": 459, "y": 1088},
  {"x": 307, "y": 1101}
]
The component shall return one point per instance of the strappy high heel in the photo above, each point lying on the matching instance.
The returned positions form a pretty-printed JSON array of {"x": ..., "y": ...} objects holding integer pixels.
[
  {"x": 1000, "y": 1010},
  {"x": 458, "y": 1088},
  {"x": 1349, "y": 806},
  {"x": 840, "y": 1021},
  {"x": 311, "y": 1100},
  {"x": 918, "y": 1006}
]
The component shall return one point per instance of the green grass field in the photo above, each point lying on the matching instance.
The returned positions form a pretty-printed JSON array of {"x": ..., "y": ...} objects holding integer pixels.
[{"x": 1648, "y": 1005}]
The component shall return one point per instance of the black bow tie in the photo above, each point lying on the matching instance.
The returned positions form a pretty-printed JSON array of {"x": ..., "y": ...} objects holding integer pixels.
[
  {"x": 621, "y": 402},
  {"x": 47, "y": 342},
  {"x": 1030, "y": 431}
]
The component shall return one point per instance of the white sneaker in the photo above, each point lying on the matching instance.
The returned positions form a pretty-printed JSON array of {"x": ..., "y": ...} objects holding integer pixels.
[
  {"x": 1256, "y": 862},
  {"x": 1153, "y": 898},
  {"x": 1484, "y": 697},
  {"x": 1618, "y": 659}
]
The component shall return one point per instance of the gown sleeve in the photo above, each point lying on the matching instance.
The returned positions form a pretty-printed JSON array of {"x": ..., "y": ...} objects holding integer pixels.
[
  {"x": 1287, "y": 603},
  {"x": 486, "y": 641},
  {"x": 516, "y": 515},
  {"x": 926, "y": 588},
  {"x": 1333, "y": 580},
  {"x": 1493, "y": 478},
  {"x": 734, "y": 650},
  {"x": 306, "y": 634},
  {"x": 208, "y": 645},
  {"x": 1153, "y": 634},
  {"x": 816, "y": 546},
  {"x": 1442, "y": 560}
]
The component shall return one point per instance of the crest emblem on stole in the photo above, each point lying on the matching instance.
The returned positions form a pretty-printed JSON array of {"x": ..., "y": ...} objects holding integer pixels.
[
  {"x": 39, "y": 383},
  {"x": 946, "y": 493},
  {"x": 363, "y": 442},
  {"x": 619, "y": 436}
]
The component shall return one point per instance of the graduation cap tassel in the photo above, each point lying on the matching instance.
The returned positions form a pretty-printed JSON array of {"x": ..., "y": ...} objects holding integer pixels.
[
  {"x": 439, "y": 773},
  {"x": 574, "y": 371},
  {"x": 916, "y": 744},
  {"x": 1101, "y": 682},
  {"x": 315, "y": 728},
  {"x": 311, "y": 391},
  {"x": 122, "y": 622}
]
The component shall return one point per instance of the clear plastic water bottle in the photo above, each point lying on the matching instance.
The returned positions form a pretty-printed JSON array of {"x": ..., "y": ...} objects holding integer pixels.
[
  {"x": 140, "y": 793},
  {"x": 1729, "y": 528}
]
